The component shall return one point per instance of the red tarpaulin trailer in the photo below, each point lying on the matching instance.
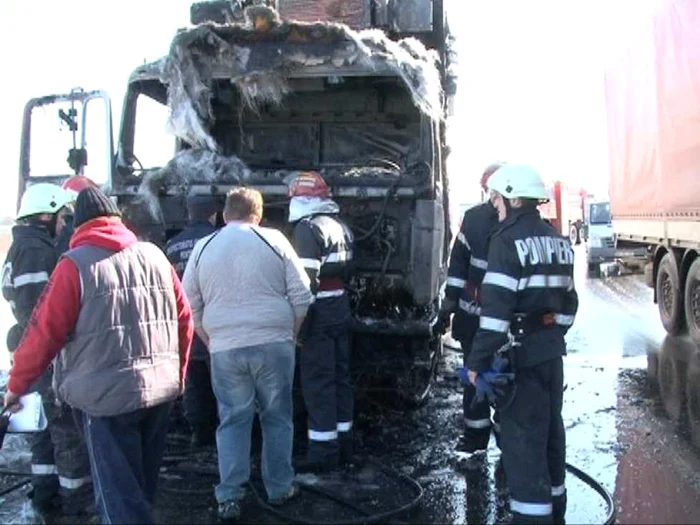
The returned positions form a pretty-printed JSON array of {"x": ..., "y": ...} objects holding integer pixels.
[{"x": 653, "y": 110}]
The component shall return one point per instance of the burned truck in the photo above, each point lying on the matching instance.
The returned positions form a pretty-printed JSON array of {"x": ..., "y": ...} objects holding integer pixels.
[{"x": 255, "y": 94}]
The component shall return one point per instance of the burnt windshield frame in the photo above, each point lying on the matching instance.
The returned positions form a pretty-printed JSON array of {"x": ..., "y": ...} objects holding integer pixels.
[{"x": 125, "y": 159}]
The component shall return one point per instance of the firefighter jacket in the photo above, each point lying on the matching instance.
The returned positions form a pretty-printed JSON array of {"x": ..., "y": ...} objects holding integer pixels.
[
  {"x": 178, "y": 249},
  {"x": 324, "y": 244},
  {"x": 530, "y": 273},
  {"x": 467, "y": 268},
  {"x": 29, "y": 263}
]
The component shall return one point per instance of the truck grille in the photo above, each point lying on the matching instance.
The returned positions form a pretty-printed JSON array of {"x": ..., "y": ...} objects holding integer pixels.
[{"x": 608, "y": 242}]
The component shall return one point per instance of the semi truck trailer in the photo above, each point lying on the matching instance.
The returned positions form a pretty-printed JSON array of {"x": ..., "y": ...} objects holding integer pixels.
[{"x": 653, "y": 121}]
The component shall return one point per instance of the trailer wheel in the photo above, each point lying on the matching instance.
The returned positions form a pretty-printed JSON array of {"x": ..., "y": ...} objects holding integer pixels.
[
  {"x": 692, "y": 301},
  {"x": 668, "y": 292},
  {"x": 574, "y": 234}
]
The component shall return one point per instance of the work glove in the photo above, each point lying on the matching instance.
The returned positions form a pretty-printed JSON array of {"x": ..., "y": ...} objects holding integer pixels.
[{"x": 489, "y": 384}]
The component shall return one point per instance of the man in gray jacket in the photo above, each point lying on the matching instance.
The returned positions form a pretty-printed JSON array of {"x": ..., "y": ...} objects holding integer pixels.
[{"x": 249, "y": 294}]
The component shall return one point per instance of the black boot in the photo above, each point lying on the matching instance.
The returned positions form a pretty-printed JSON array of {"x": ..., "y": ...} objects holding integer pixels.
[
  {"x": 559, "y": 509},
  {"x": 44, "y": 501},
  {"x": 346, "y": 456}
]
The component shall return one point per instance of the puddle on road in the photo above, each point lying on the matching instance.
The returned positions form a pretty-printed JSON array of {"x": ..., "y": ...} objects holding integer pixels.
[{"x": 658, "y": 472}]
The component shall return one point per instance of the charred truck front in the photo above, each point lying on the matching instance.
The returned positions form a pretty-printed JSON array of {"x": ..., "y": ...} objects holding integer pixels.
[{"x": 255, "y": 94}]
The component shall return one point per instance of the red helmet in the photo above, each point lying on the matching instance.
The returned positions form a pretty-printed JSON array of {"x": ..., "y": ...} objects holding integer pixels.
[
  {"x": 309, "y": 184},
  {"x": 78, "y": 183},
  {"x": 490, "y": 170}
]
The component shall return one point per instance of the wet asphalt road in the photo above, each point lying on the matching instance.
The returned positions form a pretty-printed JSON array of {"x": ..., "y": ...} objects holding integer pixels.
[{"x": 632, "y": 412}]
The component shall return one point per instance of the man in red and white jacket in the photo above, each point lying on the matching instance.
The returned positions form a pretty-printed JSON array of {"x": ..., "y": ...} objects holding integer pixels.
[{"x": 115, "y": 318}]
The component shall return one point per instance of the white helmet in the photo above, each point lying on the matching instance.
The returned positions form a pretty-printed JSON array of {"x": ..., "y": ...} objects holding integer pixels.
[
  {"x": 43, "y": 197},
  {"x": 518, "y": 180}
]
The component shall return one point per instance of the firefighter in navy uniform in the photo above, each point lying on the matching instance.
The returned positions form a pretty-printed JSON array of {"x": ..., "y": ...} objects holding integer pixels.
[
  {"x": 199, "y": 400},
  {"x": 324, "y": 245},
  {"x": 528, "y": 293},
  {"x": 462, "y": 297},
  {"x": 60, "y": 465}
]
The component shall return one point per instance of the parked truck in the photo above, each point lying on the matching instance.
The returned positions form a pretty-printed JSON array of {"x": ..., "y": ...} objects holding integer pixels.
[
  {"x": 257, "y": 91},
  {"x": 653, "y": 110},
  {"x": 564, "y": 210},
  {"x": 598, "y": 233}
]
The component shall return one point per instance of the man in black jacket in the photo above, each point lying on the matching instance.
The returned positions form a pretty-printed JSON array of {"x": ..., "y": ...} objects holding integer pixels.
[
  {"x": 60, "y": 465},
  {"x": 462, "y": 297},
  {"x": 199, "y": 400},
  {"x": 528, "y": 293}
]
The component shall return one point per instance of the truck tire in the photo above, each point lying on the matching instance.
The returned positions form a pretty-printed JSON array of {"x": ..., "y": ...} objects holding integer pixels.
[
  {"x": 692, "y": 301},
  {"x": 669, "y": 297},
  {"x": 574, "y": 234},
  {"x": 593, "y": 269}
]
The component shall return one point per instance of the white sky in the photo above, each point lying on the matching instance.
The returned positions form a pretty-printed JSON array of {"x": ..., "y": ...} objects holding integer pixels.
[{"x": 531, "y": 85}]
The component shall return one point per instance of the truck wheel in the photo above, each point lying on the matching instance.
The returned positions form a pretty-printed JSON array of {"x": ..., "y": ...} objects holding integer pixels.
[
  {"x": 574, "y": 235},
  {"x": 593, "y": 269},
  {"x": 692, "y": 301},
  {"x": 668, "y": 293}
]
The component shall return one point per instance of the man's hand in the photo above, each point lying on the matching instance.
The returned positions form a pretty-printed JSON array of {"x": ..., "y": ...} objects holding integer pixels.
[
  {"x": 12, "y": 403},
  {"x": 472, "y": 377}
]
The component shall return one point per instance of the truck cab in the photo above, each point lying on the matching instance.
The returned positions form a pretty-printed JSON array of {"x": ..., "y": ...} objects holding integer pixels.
[
  {"x": 252, "y": 99},
  {"x": 600, "y": 238}
]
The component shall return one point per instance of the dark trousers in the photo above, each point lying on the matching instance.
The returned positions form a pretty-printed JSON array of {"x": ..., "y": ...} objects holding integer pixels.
[
  {"x": 125, "y": 456},
  {"x": 199, "y": 400},
  {"x": 324, "y": 363},
  {"x": 477, "y": 419},
  {"x": 533, "y": 443},
  {"x": 60, "y": 461}
]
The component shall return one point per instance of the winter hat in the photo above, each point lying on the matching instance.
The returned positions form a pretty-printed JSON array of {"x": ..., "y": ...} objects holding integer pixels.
[
  {"x": 201, "y": 207},
  {"x": 92, "y": 203}
]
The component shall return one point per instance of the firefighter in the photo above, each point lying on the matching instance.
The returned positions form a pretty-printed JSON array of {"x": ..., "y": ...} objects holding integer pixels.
[
  {"x": 465, "y": 273},
  {"x": 199, "y": 400},
  {"x": 324, "y": 244},
  {"x": 60, "y": 465},
  {"x": 528, "y": 292}
]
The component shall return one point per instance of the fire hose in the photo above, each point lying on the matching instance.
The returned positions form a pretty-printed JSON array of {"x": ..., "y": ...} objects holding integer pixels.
[{"x": 385, "y": 516}]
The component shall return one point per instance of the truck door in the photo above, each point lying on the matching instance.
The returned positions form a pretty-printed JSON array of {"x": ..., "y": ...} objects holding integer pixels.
[{"x": 66, "y": 135}]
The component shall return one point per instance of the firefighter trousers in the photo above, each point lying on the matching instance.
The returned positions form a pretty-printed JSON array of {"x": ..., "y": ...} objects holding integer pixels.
[
  {"x": 324, "y": 363},
  {"x": 533, "y": 444},
  {"x": 199, "y": 401},
  {"x": 477, "y": 419},
  {"x": 60, "y": 463}
]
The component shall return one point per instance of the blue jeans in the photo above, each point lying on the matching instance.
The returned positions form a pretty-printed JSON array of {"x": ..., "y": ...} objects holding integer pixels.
[
  {"x": 125, "y": 454},
  {"x": 245, "y": 379}
]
